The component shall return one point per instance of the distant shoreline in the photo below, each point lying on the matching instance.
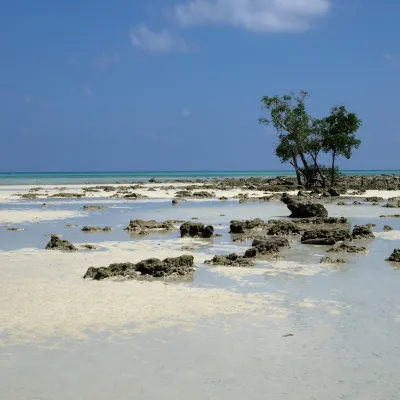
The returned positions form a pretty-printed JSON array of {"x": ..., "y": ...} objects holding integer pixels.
[{"x": 78, "y": 178}]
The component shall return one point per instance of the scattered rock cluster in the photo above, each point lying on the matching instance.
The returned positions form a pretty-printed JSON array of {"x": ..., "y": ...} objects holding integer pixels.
[{"x": 152, "y": 267}]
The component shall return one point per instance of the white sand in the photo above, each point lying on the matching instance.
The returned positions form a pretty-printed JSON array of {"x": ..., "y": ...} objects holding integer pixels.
[
  {"x": 385, "y": 194},
  {"x": 19, "y": 216},
  {"x": 391, "y": 235},
  {"x": 43, "y": 295}
]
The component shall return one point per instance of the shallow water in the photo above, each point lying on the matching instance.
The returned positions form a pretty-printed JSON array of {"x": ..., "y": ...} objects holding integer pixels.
[{"x": 345, "y": 320}]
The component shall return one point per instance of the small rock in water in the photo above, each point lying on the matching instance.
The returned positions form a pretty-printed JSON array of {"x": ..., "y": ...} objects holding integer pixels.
[
  {"x": 89, "y": 247},
  {"x": 231, "y": 260},
  {"x": 93, "y": 208},
  {"x": 346, "y": 248},
  {"x": 387, "y": 228},
  {"x": 196, "y": 229},
  {"x": 328, "y": 260},
  {"x": 57, "y": 244},
  {"x": 141, "y": 227},
  {"x": 362, "y": 232},
  {"x": 90, "y": 229},
  {"x": 395, "y": 256},
  {"x": 244, "y": 226}
]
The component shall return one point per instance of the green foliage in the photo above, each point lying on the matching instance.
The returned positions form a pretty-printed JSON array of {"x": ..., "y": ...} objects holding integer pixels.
[{"x": 302, "y": 138}]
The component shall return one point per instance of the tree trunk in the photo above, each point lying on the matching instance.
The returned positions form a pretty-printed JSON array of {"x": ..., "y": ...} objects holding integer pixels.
[
  {"x": 306, "y": 170},
  {"x": 323, "y": 181},
  {"x": 296, "y": 167},
  {"x": 333, "y": 169}
]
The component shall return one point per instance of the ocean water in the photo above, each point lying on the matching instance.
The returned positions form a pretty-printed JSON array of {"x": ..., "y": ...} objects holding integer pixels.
[{"x": 55, "y": 178}]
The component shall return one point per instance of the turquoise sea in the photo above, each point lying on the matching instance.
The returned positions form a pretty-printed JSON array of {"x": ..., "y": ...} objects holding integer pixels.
[{"x": 55, "y": 178}]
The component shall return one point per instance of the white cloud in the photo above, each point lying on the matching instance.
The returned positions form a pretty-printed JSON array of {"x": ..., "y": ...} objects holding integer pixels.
[
  {"x": 186, "y": 113},
  {"x": 254, "y": 15},
  {"x": 157, "y": 42},
  {"x": 87, "y": 91}
]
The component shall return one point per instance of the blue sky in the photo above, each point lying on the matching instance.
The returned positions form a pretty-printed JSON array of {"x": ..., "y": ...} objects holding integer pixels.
[{"x": 176, "y": 84}]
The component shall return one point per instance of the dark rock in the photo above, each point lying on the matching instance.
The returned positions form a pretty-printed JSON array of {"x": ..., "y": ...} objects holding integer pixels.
[
  {"x": 89, "y": 189},
  {"x": 14, "y": 229},
  {"x": 89, "y": 229},
  {"x": 57, "y": 244},
  {"x": 244, "y": 226},
  {"x": 71, "y": 226},
  {"x": 308, "y": 210},
  {"x": 390, "y": 216},
  {"x": 395, "y": 256},
  {"x": 175, "y": 202},
  {"x": 68, "y": 195},
  {"x": 105, "y": 188},
  {"x": 387, "y": 228},
  {"x": 324, "y": 236},
  {"x": 373, "y": 199},
  {"x": 231, "y": 260},
  {"x": 392, "y": 203},
  {"x": 223, "y": 198},
  {"x": 284, "y": 228},
  {"x": 94, "y": 208},
  {"x": 196, "y": 229},
  {"x": 29, "y": 196},
  {"x": 333, "y": 192},
  {"x": 328, "y": 260},
  {"x": 362, "y": 232},
  {"x": 183, "y": 193},
  {"x": 266, "y": 241},
  {"x": 141, "y": 227},
  {"x": 320, "y": 241},
  {"x": 261, "y": 199},
  {"x": 203, "y": 195},
  {"x": 287, "y": 199},
  {"x": 154, "y": 267},
  {"x": 341, "y": 203},
  {"x": 135, "y": 196},
  {"x": 89, "y": 247},
  {"x": 346, "y": 248},
  {"x": 357, "y": 203},
  {"x": 263, "y": 246}
]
